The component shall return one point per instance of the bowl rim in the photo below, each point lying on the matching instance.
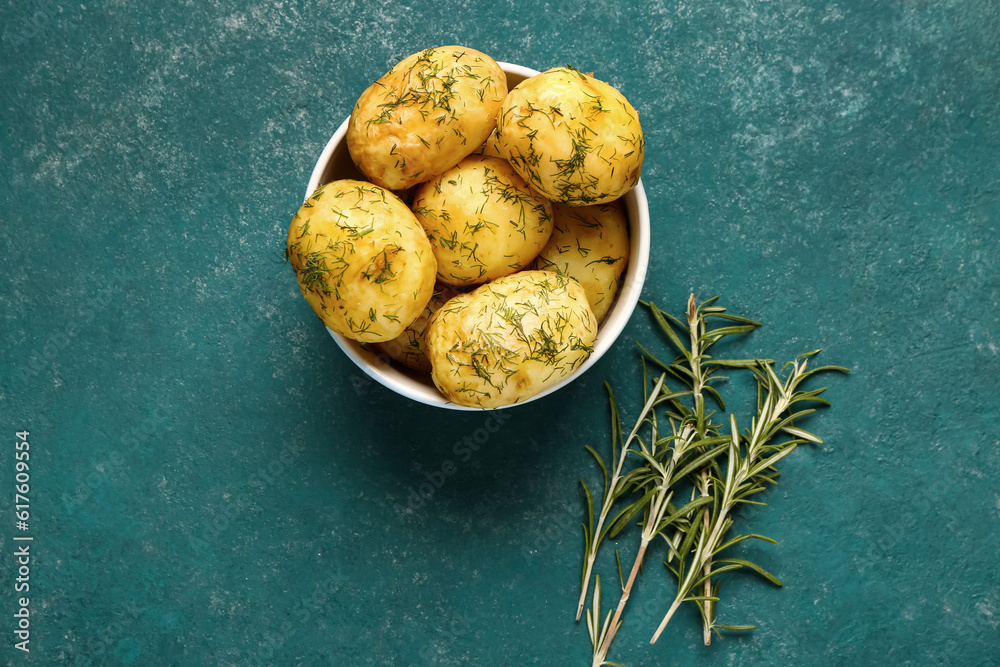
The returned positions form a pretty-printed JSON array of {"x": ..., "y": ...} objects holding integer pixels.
[{"x": 379, "y": 368}]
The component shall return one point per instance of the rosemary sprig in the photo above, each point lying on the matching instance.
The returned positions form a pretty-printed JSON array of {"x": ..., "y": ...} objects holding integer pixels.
[
  {"x": 613, "y": 488},
  {"x": 601, "y": 634},
  {"x": 692, "y": 456},
  {"x": 693, "y": 436},
  {"x": 696, "y": 368},
  {"x": 658, "y": 476},
  {"x": 751, "y": 457}
]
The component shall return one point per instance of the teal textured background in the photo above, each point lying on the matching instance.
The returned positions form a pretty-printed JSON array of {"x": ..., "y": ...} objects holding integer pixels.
[{"x": 213, "y": 482}]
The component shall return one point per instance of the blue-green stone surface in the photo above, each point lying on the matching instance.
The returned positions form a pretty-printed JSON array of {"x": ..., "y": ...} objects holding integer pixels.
[{"x": 212, "y": 482}]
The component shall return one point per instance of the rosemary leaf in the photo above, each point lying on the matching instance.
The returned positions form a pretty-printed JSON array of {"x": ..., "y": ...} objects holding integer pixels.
[{"x": 753, "y": 566}]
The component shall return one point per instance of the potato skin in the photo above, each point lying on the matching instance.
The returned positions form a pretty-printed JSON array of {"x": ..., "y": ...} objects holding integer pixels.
[
  {"x": 425, "y": 114},
  {"x": 482, "y": 220},
  {"x": 591, "y": 245},
  {"x": 361, "y": 260},
  {"x": 572, "y": 136},
  {"x": 489, "y": 147},
  {"x": 509, "y": 339},
  {"x": 408, "y": 348}
]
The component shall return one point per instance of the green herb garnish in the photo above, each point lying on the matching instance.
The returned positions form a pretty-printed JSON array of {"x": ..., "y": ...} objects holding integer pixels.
[{"x": 683, "y": 482}]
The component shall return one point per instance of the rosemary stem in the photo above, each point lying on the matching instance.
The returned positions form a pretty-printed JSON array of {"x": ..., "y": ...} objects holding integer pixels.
[
  {"x": 698, "y": 381},
  {"x": 705, "y": 557},
  {"x": 707, "y": 592},
  {"x": 592, "y": 554},
  {"x": 699, "y": 403},
  {"x": 666, "y": 619},
  {"x": 586, "y": 585},
  {"x": 626, "y": 591}
]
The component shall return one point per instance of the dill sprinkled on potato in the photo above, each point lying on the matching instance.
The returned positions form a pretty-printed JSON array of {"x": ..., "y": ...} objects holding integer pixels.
[
  {"x": 424, "y": 115},
  {"x": 510, "y": 339},
  {"x": 361, "y": 260},
  {"x": 573, "y": 137},
  {"x": 482, "y": 220}
]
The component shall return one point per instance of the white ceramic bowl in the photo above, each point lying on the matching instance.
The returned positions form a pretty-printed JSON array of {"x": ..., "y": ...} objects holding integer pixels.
[{"x": 335, "y": 163}]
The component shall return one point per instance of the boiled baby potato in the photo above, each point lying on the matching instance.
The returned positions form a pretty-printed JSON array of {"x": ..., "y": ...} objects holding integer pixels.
[
  {"x": 489, "y": 147},
  {"x": 573, "y": 137},
  {"x": 509, "y": 339},
  {"x": 425, "y": 114},
  {"x": 590, "y": 244},
  {"x": 408, "y": 347},
  {"x": 483, "y": 220},
  {"x": 361, "y": 259}
]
